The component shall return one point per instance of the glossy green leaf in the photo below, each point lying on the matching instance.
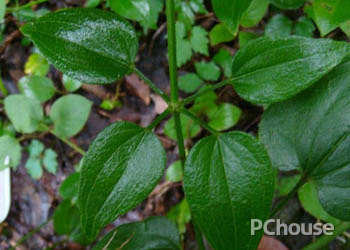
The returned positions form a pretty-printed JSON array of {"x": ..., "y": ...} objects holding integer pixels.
[
  {"x": 36, "y": 65},
  {"x": 183, "y": 46},
  {"x": 28, "y": 120},
  {"x": 189, "y": 83},
  {"x": 174, "y": 173},
  {"x": 92, "y": 3},
  {"x": 199, "y": 40},
  {"x": 224, "y": 59},
  {"x": 310, "y": 133},
  {"x": 69, "y": 114},
  {"x": 70, "y": 84},
  {"x": 256, "y": 11},
  {"x": 65, "y": 218},
  {"x": 329, "y": 14},
  {"x": 122, "y": 166},
  {"x": 208, "y": 70},
  {"x": 224, "y": 116},
  {"x": 309, "y": 200},
  {"x": 304, "y": 27},
  {"x": 228, "y": 181},
  {"x": 10, "y": 152},
  {"x": 69, "y": 187},
  {"x": 230, "y": 12},
  {"x": 87, "y": 44},
  {"x": 269, "y": 70},
  {"x": 181, "y": 215},
  {"x": 220, "y": 34},
  {"x": 38, "y": 87},
  {"x": 50, "y": 161},
  {"x": 153, "y": 233},
  {"x": 279, "y": 26},
  {"x": 288, "y": 4},
  {"x": 286, "y": 184}
]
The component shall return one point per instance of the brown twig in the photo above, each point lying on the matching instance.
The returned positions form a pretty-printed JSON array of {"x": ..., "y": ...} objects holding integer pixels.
[{"x": 9, "y": 39}]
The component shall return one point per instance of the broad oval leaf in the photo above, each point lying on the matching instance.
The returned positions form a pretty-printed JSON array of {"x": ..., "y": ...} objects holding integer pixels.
[
  {"x": 269, "y": 70},
  {"x": 28, "y": 120},
  {"x": 69, "y": 115},
  {"x": 153, "y": 233},
  {"x": 121, "y": 168},
  {"x": 10, "y": 152},
  {"x": 288, "y": 4},
  {"x": 89, "y": 45},
  {"x": 310, "y": 133},
  {"x": 230, "y": 12},
  {"x": 228, "y": 181},
  {"x": 38, "y": 87}
]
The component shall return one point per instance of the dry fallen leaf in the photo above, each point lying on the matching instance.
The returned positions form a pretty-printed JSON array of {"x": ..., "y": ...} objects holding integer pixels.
[
  {"x": 138, "y": 88},
  {"x": 159, "y": 104}
]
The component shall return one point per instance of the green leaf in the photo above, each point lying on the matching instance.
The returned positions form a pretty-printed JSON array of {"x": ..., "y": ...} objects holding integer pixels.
[
  {"x": 228, "y": 181},
  {"x": 36, "y": 65},
  {"x": 137, "y": 10},
  {"x": 2, "y": 10},
  {"x": 35, "y": 149},
  {"x": 121, "y": 168},
  {"x": 329, "y": 14},
  {"x": 288, "y": 4},
  {"x": 153, "y": 233},
  {"x": 245, "y": 37},
  {"x": 65, "y": 218},
  {"x": 185, "y": 14},
  {"x": 69, "y": 115},
  {"x": 10, "y": 152},
  {"x": 189, "y": 128},
  {"x": 269, "y": 70},
  {"x": 38, "y": 87},
  {"x": 156, "y": 6},
  {"x": 230, "y": 12},
  {"x": 224, "y": 116},
  {"x": 208, "y": 70},
  {"x": 199, "y": 40},
  {"x": 69, "y": 187},
  {"x": 183, "y": 46},
  {"x": 92, "y": 3},
  {"x": 28, "y": 120},
  {"x": 224, "y": 59},
  {"x": 87, "y": 44},
  {"x": 189, "y": 83},
  {"x": 304, "y": 27},
  {"x": 346, "y": 28},
  {"x": 302, "y": 134},
  {"x": 28, "y": 14},
  {"x": 256, "y": 11},
  {"x": 286, "y": 184},
  {"x": 181, "y": 215},
  {"x": 220, "y": 34},
  {"x": 279, "y": 26},
  {"x": 309, "y": 199},
  {"x": 50, "y": 161},
  {"x": 174, "y": 173},
  {"x": 34, "y": 168},
  {"x": 70, "y": 84}
]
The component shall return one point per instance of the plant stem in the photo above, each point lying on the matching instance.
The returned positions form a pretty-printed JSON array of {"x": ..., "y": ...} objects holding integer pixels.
[
  {"x": 66, "y": 141},
  {"x": 3, "y": 89},
  {"x": 289, "y": 196},
  {"x": 30, "y": 4},
  {"x": 324, "y": 240},
  {"x": 30, "y": 234},
  {"x": 170, "y": 14},
  {"x": 206, "y": 90},
  {"x": 174, "y": 90},
  {"x": 203, "y": 124},
  {"x": 160, "y": 118},
  {"x": 152, "y": 85}
]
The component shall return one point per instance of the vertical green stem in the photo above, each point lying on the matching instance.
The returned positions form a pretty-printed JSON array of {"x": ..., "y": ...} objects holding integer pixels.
[
  {"x": 174, "y": 90},
  {"x": 170, "y": 14},
  {"x": 3, "y": 89}
]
